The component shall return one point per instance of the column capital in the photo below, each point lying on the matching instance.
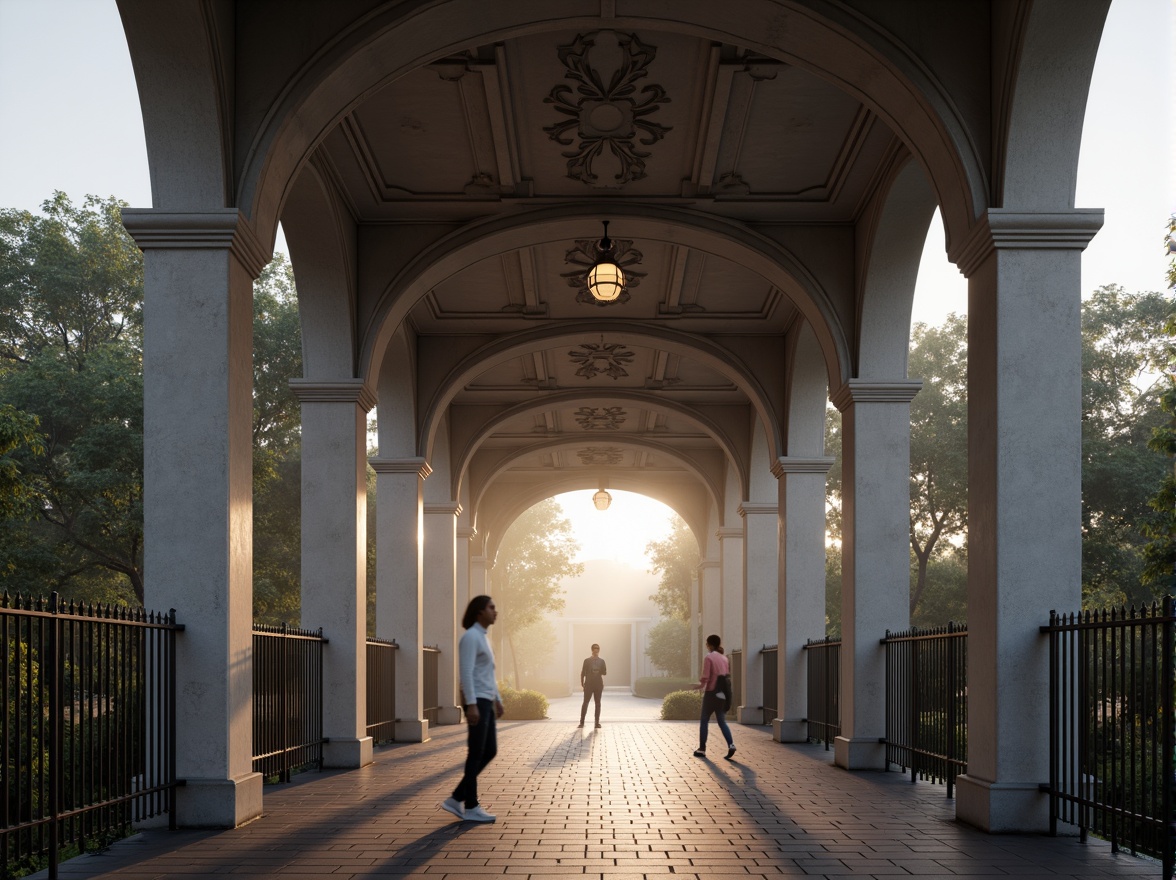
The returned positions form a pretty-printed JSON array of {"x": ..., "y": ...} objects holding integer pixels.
[
  {"x": 226, "y": 228},
  {"x": 789, "y": 464},
  {"x": 728, "y": 532},
  {"x": 708, "y": 563},
  {"x": 341, "y": 391},
  {"x": 864, "y": 391},
  {"x": 750, "y": 508},
  {"x": 451, "y": 508},
  {"x": 467, "y": 532},
  {"x": 417, "y": 466},
  {"x": 1000, "y": 228}
]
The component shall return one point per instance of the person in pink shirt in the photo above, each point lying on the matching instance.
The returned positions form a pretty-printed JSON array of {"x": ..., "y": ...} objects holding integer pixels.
[{"x": 715, "y": 665}]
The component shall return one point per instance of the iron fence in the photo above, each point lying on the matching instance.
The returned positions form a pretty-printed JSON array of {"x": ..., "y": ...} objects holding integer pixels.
[
  {"x": 381, "y": 690},
  {"x": 1111, "y": 726},
  {"x": 736, "y": 683},
  {"x": 771, "y": 671},
  {"x": 287, "y": 700},
  {"x": 927, "y": 702},
  {"x": 823, "y": 662},
  {"x": 430, "y": 661},
  {"x": 89, "y": 725}
]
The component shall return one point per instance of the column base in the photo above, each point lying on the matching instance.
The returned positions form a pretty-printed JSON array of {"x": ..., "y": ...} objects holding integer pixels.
[
  {"x": 859, "y": 754},
  {"x": 412, "y": 730},
  {"x": 1002, "y": 807},
  {"x": 347, "y": 753},
  {"x": 784, "y": 731},
  {"x": 449, "y": 715},
  {"x": 219, "y": 803},
  {"x": 749, "y": 715}
]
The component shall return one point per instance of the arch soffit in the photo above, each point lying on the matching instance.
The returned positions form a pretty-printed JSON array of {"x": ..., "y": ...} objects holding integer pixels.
[
  {"x": 708, "y": 480},
  {"x": 511, "y": 511},
  {"x": 473, "y": 437},
  {"x": 836, "y": 44},
  {"x": 503, "y": 349}
]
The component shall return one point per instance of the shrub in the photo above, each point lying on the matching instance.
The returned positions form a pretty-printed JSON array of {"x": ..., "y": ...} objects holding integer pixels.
[
  {"x": 655, "y": 688},
  {"x": 522, "y": 705},
  {"x": 682, "y": 706}
]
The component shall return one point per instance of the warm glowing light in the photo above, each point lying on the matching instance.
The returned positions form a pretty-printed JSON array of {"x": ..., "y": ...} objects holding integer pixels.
[
  {"x": 601, "y": 499},
  {"x": 606, "y": 281}
]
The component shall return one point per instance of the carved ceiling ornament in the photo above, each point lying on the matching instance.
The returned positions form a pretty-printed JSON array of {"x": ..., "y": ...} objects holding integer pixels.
[
  {"x": 598, "y": 455},
  {"x": 586, "y": 252},
  {"x": 600, "y": 418},
  {"x": 610, "y": 359},
  {"x": 607, "y": 115}
]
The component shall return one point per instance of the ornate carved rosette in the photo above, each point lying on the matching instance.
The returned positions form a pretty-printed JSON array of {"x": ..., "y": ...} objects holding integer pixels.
[
  {"x": 586, "y": 252},
  {"x": 600, "y": 455},
  {"x": 600, "y": 418},
  {"x": 609, "y": 359}
]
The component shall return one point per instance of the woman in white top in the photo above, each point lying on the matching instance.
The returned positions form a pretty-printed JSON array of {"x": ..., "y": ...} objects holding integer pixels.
[{"x": 714, "y": 665}]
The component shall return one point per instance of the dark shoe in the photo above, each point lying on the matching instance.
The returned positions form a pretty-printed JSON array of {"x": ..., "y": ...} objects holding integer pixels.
[
  {"x": 598, "y": 725},
  {"x": 581, "y": 724},
  {"x": 730, "y": 752},
  {"x": 700, "y": 753}
]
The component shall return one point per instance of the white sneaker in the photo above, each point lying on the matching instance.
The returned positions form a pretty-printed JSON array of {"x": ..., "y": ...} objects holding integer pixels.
[
  {"x": 477, "y": 814},
  {"x": 453, "y": 805}
]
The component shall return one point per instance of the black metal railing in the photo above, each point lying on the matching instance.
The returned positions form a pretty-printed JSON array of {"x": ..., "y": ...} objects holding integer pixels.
[
  {"x": 89, "y": 725},
  {"x": 430, "y": 697},
  {"x": 1111, "y": 726},
  {"x": 771, "y": 670},
  {"x": 287, "y": 700},
  {"x": 736, "y": 682},
  {"x": 927, "y": 702},
  {"x": 823, "y": 662},
  {"x": 381, "y": 690}
]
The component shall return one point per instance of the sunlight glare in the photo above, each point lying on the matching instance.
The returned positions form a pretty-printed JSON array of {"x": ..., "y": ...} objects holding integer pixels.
[{"x": 619, "y": 533}]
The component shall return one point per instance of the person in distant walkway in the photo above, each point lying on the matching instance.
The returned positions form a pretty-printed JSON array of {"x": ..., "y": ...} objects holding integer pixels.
[
  {"x": 592, "y": 675},
  {"x": 483, "y": 705},
  {"x": 716, "y": 671}
]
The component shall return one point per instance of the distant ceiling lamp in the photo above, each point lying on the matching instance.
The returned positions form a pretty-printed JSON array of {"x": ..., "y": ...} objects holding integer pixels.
[
  {"x": 606, "y": 279},
  {"x": 601, "y": 499}
]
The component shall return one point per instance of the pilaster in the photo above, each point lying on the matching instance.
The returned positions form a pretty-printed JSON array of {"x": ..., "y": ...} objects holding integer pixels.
[
  {"x": 761, "y": 593},
  {"x": 440, "y": 605}
]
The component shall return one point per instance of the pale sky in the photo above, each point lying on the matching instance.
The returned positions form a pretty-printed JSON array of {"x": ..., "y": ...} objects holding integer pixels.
[{"x": 69, "y": 120}]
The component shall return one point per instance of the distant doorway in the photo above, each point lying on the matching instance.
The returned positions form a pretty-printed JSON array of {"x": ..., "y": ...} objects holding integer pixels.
[{"x": 616, "y": 647}]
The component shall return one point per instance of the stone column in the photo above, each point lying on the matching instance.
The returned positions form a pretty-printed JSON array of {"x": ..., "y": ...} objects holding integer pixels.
[
  {"x": 802, "y": 582},
  {"x": 695, "y": 614},
  {"x": 477, "y": 575},
  {"x": 711, "y": 586},
  {"x": 731, "y": 586},
  {"x": 465, "y": 535},
  {"x": 1024, "y": 498},
  {"x": 334, "y": 555},
  {"x": 440, "y": 608},
  {"x": 761, "y": 575},
  {"x": 875, "y": 556},
  {"x": 399, "y": 563},
  {"x": 198, "y": 492}
]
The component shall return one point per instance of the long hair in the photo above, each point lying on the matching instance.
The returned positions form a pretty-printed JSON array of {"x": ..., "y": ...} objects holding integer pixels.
[{"x": 477, "y": 606}]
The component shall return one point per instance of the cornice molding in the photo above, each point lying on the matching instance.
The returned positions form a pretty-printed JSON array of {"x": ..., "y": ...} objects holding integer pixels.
[
  {"x": 728, "y": 532},
  {"x": 417, "y": 466},
  {"x": 792, "y": 465},
  {"x": 708, "y": 563},
  {"x": 861, "y": 391},
  {"x": 1000, "y": 228},
  {"x": 226, "y": 229},
  {"x": 750, "y": 508},
  {"x": 345, "y": 391},
  {"x": 467, "y": 532},
  {"x": 452, "y": 508}
]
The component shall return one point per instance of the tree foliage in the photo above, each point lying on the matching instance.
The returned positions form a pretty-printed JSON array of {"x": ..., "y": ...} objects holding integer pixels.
[
  {"x": 669, "y": 646},
  {"x": 676, "y": 557},
  {"x": 535, "y": 556}
]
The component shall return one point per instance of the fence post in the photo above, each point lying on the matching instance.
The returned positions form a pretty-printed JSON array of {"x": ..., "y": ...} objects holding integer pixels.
[
  {"x": 283, "y": 702},
  {"x": 952, "y": 690},
  {"x": 913, "y": 694},
  {"x": 55, "y": 751},
  {"x": 1166, "y": 701}
]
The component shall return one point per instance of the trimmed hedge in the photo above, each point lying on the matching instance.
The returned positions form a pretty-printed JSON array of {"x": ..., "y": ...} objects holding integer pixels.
[
  {"x": 522, "y": 705},
  {"x": 656, "y": 688},
  {"x": 682, "y": 706}
]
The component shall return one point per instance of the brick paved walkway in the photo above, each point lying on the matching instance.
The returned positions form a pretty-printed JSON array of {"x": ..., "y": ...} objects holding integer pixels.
[{"x": 627, "y": 801}]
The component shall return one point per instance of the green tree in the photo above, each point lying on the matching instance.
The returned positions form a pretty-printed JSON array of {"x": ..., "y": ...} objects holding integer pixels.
[
  {"x": 939, "y": 445},
  {"x": 669, "y": 647},
  {"x": 18, "y": 439},
  {"x": 676, "y": 557},
  {"x": 534, "y": 647},
  {"x": 70, "y": 356},
  {"x": 535, "y": 556},
  {"x": 1159, "y": 554},
  {"x": 1122, "y": 347}
]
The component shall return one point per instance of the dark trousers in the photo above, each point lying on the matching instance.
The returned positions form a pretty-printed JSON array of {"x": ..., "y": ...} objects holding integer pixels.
[
  {"x": 713, "y": 705},
  {"x": 591, "y": 691},
  {"x": 482, "y": 743}
]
